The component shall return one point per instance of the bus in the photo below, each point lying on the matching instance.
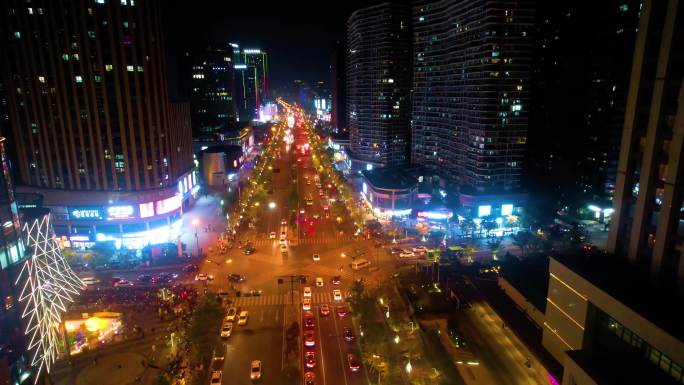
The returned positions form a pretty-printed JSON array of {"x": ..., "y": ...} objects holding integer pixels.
[{"x": 360, "y": 263}]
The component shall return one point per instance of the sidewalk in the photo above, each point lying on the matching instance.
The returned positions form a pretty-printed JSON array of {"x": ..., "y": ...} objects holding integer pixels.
[{"x": 519, "y": 324}]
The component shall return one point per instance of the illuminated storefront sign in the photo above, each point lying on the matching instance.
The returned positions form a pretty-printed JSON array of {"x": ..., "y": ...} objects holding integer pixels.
[
  {"x": 85, "y": 213},
  {"x": 120, "y": 212},
  {"x": 437, "y": 215},
  {"x": 506, "y": 209},
  {"x": 146, "y": 210},
  {"x": 167, "y": 205},
  {"x": 484, "y": 210}
]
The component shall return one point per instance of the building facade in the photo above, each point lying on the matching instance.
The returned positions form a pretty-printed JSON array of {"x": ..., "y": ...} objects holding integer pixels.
[
  {"x": 251, "y": 81},
  {"x": 648, "y": 220},
  {"x": 338, "y": 82},
  {"x": 212, "y": 89},
  {"x": 15, "y": 365},
  {"x": 472, "y": 63},
  {"x": 90, "y": 116},
  {"x": 379, "y": 84},
  {"x": 578, "y": 105}
]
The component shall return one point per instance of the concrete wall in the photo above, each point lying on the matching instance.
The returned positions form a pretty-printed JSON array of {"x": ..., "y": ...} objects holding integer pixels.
[{"x": 523, "y": 304}]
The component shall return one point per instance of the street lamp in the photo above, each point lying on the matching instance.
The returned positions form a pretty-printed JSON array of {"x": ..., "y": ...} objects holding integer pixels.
[
  {"x": 271, "y": 205},
  {"x": 409, "y": 368},
  {"x": 195, "y": 222}
]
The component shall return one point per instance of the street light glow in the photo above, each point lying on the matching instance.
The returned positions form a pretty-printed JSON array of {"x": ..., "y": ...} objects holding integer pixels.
[{"x": 271, "y": 205}]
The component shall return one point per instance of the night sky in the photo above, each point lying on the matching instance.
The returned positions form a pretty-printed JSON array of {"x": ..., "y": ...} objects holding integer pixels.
[{"x": 299, "y": 36}]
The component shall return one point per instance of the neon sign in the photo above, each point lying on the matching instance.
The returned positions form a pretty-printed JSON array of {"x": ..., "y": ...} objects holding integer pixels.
[
  {"x": 167, "y": 205},
  {"x": 85, "y": 213},
  {"x": 120, "y": 212}
]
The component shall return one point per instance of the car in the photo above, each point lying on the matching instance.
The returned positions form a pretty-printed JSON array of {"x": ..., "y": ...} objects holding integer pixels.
[
  {"x": 310, "y": 358},
  {"x": 306, "y": 304},
  {"x": 307, "y": 291},
  {"x": 309, "y": 339},
  {"x": 283, "y": 235},
  {"x": 336, "y": 280},
  {"x": 216, "y": 376},
  {"x": 325, "y": 309},
  {"x": 308, "y": 182},
  {"x": 283, "y": 221},
  {"x": 309, "y": 378},
  {"x": 337, "y": 295},
  {"x": 353, "y": 362},
  {"x": 237, "y": 278},
  {"x": 114, "y": 280},
  {"x": 249, "y": 250},
  {"x": 226, "y": 329},
  {"x": 283, "y": 248},
  {"x": 191, "y": 268},
  {"x": 255, "y": 370},
  {"x": 231, "y": 314},
  {"x": 272, "y": 235},
  {"x": 406, "y": 254},
  {"x": 316, "y": 257},
  {"x": 341, "y": 311},
  {"x": 319, "y": 281},
  {"x": 242, "y": 318},
  {"x": 348, "y": 335},
  {"x": 395, "y": 251},
  {"x": 419, "y": 249},
  {"x": 309, "y": 321},
  {"x": 203, "y": 277},
  {"x": 123, "y": 282},
  {"x": 144, "y": 278},
  {"x": 90, "y": 281}
]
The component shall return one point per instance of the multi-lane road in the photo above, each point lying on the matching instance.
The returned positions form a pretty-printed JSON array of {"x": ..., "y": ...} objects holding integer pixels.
[{"x": 271, "y": 313}]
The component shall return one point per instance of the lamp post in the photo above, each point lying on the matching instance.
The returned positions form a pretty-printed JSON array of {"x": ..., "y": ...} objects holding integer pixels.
[{"x": 195, "y": 223}]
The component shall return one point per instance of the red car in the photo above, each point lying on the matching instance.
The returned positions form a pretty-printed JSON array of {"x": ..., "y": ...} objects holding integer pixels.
[
  {"x": 309, "y": 339},
  {"x": 353, "y": 362},
  {"x": 309, "y": 321},
  {"x": 309, "y": 378},
  {"x": 341, "y": 311},
  {"x": 325, "y": 309},
  {"x": 310, "y": 359},
  {"x": 336, "y": 280}
]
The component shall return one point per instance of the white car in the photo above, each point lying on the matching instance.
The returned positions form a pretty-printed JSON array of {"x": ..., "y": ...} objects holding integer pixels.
[
  {"x": 419, "y": 249},
  {"x": 226, "y": 329},
  {"x": 319, "y": 281},
  {"x": 406, "y": 254},
  {"x": 316, "y": 257},
  {"x": 232, "y": 313},
  {"x": 272, "y": 235},
  {"x": 283, "y": 221},
  {"x": 255, "y": 370},
  {"x": 216, "y": 377},
  {"x": 90, "y": 281},
  {"x": 306, "y": 304},
  {"x": 337, "y": 295},
  {"x": 307, "y": 292},
  {"x": 283, "y": 248},
  {"x": 203, "y": 277},
  {"x": 242, "y": 318},
  {"x": 283, "y": 235}
]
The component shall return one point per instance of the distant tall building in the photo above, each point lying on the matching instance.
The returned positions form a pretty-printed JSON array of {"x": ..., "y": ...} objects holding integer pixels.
[
  {"x": 470, "y": 90},
  {"x": 212, "y": 91},
  {"x": 379, "y": 83},
  {"x": 252, "y": 82},
  {"x": 91, "y": 119},
  {"x": 647, "y": 223},
  {"x": 578, "y": 105},
  {"x": 338, "y": 83}
]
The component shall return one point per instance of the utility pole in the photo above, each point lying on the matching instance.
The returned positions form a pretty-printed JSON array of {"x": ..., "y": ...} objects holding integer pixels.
[{"x": 292, "y": 279}]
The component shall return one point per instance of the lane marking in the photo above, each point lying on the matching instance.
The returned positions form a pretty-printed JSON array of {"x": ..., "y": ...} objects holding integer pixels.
[
  {"x": 320, "y": 339},
  {"x": 339, "y": 347}
]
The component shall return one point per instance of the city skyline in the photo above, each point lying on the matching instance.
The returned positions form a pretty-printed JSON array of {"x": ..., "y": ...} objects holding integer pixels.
[{"x": 448, "y": 192}]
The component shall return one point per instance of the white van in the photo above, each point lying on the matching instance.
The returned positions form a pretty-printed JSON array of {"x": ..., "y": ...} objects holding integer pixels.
[{"x": 360, "y": 263}]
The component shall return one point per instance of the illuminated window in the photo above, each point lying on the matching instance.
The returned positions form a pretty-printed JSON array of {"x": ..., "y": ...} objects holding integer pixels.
[
  {"x": 98, "y": 78},
  {"x": 78, "y": 79},
  {"x": 99, "y": 1},
  {"x": 65, "y": 56},
  {"x": 108, "y": 67},
  {"x": 41, "y": 79},
  {"x": 140, "y": 69},
  {"x": 130, "y": 68},
  {"x": 17, "y": 35},
  {"x": 91, "y": 34}
]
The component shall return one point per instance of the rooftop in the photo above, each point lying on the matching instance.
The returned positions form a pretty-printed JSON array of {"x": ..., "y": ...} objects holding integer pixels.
[
  {"x": 393, "y": 178},
  {"x": 631, "y": 285},
  {"x": 619, "y": 368}
]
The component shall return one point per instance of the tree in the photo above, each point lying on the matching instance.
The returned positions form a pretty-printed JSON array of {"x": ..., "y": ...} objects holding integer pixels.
[
  {"x": 205, "y": 319},
  {"x": 494, "y": 245},
  {"x": 290, "y": 375},
  {"x": 423, "y": 228},
  {"x": 523, "y": 239}
]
